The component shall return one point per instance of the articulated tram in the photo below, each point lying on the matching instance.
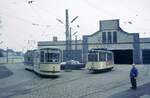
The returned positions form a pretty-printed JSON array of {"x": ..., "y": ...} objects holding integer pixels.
[
  {"x": 100, "y": 59},
  {"x": 46, "y": 61}
]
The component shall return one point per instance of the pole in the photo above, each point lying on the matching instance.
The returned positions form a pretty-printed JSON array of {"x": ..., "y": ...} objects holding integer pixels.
[
  {"x": 70, "y": 44},
  {"x": 67, "y": 30},
  {"x": 7, "y": 55},
  {"x": 75, "y": 42},
  {"x": 67, "y": 36}
]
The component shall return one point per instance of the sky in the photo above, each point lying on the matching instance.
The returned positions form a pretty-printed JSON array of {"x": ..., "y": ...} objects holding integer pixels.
[{"x": 25, "y": 22}]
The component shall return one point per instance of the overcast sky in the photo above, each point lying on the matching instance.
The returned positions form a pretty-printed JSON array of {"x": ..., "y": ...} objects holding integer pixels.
[{"x": 23, "y": 23}]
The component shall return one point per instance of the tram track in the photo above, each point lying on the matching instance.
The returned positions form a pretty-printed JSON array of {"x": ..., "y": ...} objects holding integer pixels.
[
  {"x": 40, "y": 87},
  {"x": 38, "y": 84},
  {"x": 101, "y": 90}
]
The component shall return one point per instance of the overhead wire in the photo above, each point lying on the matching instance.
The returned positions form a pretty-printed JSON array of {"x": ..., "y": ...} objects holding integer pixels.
[
  {"x": 22, "y": 19},
  {"x": 127, "y": 22},
  {"x": 97, "y": 8},
  {"x": 48, "y": 12}
]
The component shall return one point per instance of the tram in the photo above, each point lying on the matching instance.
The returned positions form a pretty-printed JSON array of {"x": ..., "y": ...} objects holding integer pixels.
[
  {"x": 49, "y": 63},
  {"x": 28, "y": 60},
  {"x": 46, "y": 61},
  {"x": 100, "y": 59}
]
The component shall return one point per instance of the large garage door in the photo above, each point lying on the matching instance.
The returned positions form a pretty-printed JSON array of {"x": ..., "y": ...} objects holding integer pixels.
[
  {"x": 123, "y": 56},
  {"x": 146, "y": 56}
]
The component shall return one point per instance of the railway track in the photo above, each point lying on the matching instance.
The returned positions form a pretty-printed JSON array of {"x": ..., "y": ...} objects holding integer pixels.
[{"x": 36, "y": 84}]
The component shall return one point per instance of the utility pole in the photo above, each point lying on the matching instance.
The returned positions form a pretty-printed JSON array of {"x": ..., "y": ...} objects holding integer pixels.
[
  {"x": 67, "y": 33},
  {"x": 70, "y": 43},
  {"x": 75, "y": 42},
  {"x": 7, "y": 55},
  {"x": 75, "y": 39}
]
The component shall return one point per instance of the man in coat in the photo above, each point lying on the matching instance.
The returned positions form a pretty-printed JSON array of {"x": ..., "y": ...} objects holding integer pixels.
[{"x": 133, "y": 76}]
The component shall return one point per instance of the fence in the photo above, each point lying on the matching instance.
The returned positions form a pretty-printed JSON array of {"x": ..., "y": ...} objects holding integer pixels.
[{"x": 14, "y": 59}]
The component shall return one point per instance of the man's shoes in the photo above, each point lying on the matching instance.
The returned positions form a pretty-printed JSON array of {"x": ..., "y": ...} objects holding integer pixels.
[{"x": 133, "y": 88}]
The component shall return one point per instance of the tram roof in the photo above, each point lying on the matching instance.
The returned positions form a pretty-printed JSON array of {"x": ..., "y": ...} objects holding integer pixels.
[
  {"x": 49, "y": 49},
  {"x": 99, "y": 50}
]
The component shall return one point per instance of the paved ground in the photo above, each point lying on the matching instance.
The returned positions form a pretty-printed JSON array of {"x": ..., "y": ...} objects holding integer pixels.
[
  {"x": 142, "y": 92},
  {"x": 75, "y": 84},
  {"x": 4, "y": 72}
]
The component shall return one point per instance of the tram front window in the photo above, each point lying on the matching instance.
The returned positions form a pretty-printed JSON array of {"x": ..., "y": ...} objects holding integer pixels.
[
  {"x": 102, "y": 56},
  {"x": 92, "y": 57},
  {"x": 47, "y": 57},
  {"x": 52, "y": 57},
  {"x": 109, "y": 56}
]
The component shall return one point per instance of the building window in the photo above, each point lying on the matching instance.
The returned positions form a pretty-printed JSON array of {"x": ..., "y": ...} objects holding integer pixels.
[
  {"x": 114, "y": 37},
  {"x": 103, "y": 37},
  {"x": 109, "y": 37}
]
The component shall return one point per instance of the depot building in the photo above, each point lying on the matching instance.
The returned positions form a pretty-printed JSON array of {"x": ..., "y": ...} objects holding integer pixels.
[{"x": 128, "y": 48}]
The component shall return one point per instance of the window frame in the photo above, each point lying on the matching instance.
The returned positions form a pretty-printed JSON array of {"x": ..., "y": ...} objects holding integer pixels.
[
  {"x": 104, "y": 37},
  {"x": 114, "y": 37},
  {"x": 109, "y": 37}
]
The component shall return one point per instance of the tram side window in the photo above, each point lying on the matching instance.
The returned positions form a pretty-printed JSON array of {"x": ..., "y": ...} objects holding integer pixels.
[
  {"x": 92, "y": 57},
  {"x": 102, "y": 56},
  {"x": 109, "y": 56},
  {"x": 42, "y": 56}
]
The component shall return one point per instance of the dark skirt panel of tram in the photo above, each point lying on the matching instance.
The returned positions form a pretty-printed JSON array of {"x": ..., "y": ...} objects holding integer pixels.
[{"x": 101, "y": 71}]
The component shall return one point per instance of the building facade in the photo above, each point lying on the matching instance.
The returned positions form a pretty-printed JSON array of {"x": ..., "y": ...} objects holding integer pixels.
[{"x": 127, "y": 47}]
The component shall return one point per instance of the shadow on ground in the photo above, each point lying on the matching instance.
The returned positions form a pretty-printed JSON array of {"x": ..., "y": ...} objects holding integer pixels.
[{"x": 5, "y": 72}]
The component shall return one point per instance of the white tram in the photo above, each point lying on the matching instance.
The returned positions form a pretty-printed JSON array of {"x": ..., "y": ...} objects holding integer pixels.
[
  {"x": 100, "y": 59},
  {"x": 46, "y": 61}
]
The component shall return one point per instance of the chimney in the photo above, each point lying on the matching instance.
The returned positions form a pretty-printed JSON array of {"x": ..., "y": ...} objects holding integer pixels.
[{"x": 55, "y": 39}]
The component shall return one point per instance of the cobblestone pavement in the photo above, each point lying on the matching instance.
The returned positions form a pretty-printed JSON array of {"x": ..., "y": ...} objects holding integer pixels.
[
  {"x": 75, "y": 84},
  {"x": 142, "y": 91}
]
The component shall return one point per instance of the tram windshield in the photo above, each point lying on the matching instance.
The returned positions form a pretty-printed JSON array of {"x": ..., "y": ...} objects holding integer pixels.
[
  {"x": 109, "y": 56},
  {"x": 51, "y": 57},
  {"x": 92, "y": 57},
  {"x": 99, "y": 56},
  {"x": 102, "y": 56},
  {"x": 48, "y": 57}
]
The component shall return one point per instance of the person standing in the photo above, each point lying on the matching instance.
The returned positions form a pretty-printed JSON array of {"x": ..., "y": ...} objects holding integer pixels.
[{"x": 133, "y": 76}]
